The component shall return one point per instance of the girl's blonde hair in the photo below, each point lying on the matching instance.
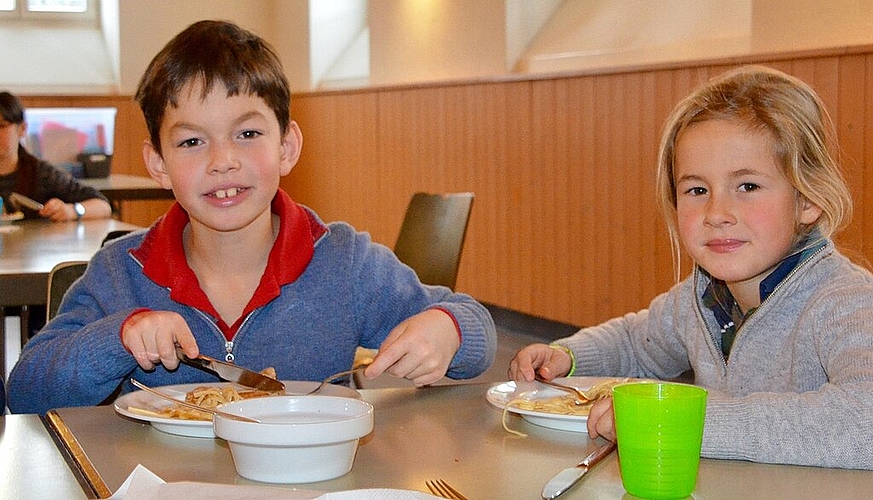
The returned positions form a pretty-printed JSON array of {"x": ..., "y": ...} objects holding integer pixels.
[{"x": 770, "y": 101}]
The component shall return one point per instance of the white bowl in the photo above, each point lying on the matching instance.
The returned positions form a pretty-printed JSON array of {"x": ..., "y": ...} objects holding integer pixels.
[{"x": 300, "y": 439}]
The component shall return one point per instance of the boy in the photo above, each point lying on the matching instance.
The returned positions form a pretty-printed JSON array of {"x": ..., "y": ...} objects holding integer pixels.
[{"x": 236, "y": 269}]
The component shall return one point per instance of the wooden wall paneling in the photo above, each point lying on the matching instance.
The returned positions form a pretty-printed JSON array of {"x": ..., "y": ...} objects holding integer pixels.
[
  {"x": 849, "y": 118},
  {"x": 492, "y": 233},
  {"x": 565, "y": 223},
  {"x": 555, "y": 140},
  {"x": 638, "y": 180},
  {"x": 864, "y": 204},
  {"x": 655, "y": 271},
  {"x": 548, "y": 186},
  {"x": 506, "y": 152},
  {"x": 404, "y": 151},
  {"x": 336, "y": 171}
]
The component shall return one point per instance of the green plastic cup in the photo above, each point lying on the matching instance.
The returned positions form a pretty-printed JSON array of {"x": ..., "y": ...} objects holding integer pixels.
[{"x": 659, "y": 430}]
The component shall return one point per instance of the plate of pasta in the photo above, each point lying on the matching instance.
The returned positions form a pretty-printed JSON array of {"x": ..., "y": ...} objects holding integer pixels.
[
  {"x": 175, "y": 419},
  {"x": 549, "y": 407}
]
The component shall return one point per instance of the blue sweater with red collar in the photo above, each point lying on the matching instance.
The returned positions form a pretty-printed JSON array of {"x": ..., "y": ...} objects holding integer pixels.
[{"x": 327, "y": 290}]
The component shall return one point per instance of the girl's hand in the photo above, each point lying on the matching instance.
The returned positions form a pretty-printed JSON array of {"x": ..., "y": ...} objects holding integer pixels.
[
  {"x": 601, "y": 420},
  {"x": 544, "y": 359},
  {"x": 151, "y": 336},
  {"x": 419, "y": 349}
]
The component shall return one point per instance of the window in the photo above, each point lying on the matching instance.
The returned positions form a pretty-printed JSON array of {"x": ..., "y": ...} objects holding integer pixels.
[{"x": 54, "y": 10}]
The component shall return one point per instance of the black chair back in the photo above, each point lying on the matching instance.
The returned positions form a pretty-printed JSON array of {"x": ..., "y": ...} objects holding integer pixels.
[{"x": 432, "y": 236}]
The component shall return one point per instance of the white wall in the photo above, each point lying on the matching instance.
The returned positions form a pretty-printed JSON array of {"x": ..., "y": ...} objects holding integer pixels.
[
  {"x": 427, "y": 40},
  {"x": 590, "y": 34},
  {"x": 414, "y": 41},
  {"x": 147, "y": 26}
]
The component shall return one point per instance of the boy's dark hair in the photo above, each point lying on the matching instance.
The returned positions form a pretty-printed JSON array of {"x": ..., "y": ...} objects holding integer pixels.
[
  {"x": 11, "y": 108},
  {"x": 210, "y": 52}
]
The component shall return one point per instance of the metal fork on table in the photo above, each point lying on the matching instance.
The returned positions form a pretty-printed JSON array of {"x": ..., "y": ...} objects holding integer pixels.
[{"x": 443, "y": 489}]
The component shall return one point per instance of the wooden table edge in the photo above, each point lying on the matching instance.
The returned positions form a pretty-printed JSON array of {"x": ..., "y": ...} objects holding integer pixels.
[{"x": 75, "y": 456}]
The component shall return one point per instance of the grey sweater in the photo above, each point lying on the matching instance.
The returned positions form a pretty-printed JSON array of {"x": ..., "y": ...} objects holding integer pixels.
[{"x": 798, "y": 388}]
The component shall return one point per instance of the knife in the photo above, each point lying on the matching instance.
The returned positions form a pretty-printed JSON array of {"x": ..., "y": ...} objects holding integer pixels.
[
  {"x": 233, "y": 373},
  {"x": 565, "y": 479}
]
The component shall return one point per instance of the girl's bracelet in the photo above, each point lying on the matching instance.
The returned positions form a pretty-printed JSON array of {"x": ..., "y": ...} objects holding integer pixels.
[{"x": 569, "y": 353}]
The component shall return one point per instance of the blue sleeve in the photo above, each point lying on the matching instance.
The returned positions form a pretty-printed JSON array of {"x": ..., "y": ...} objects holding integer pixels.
[{"x": 389, "y": 292}]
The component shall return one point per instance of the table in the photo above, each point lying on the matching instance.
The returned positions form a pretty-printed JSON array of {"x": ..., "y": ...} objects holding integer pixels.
[
  {"x": 121, "y": 187},
  {"x": 447, "y": 431},
  {"x": 31, "y": 466},
  {"x": 30, "y": 251}
]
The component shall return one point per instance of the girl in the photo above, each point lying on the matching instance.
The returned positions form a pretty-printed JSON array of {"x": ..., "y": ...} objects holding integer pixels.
[{"x": 774, "y": 321}]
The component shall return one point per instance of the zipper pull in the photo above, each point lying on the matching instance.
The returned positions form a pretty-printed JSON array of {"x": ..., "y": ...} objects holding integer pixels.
[{"x": 228, "y": 346}]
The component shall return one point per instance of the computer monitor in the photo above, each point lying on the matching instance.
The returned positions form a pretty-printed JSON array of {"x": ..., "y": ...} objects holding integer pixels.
[{"x": 72, "y": 138}]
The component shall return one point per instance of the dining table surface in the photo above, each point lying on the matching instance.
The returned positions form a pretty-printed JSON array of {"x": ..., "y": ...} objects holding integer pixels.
[
  {"x": 126, "y": 187},
  {"x": 31, "y": 248},
  {"x": 129, "y": 187},
  {"x": 450, "y": 432}
]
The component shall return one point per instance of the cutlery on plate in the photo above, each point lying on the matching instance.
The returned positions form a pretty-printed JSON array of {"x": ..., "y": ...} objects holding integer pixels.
[
  {"x": 192, "y": 405},
  {"x": 581, "y": 397},
  {"x": 233, "y": 373},
  {"x": 335, "y": 376},
  {"x": 565, "y": 479},
  {"x": 24, "y": 201},
  {"x": 443, "y": 489}
]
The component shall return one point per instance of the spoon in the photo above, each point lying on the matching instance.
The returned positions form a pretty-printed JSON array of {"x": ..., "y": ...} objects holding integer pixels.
[
  {"x": 192, "y": 405},
  {"x": 581, "y": 397}
]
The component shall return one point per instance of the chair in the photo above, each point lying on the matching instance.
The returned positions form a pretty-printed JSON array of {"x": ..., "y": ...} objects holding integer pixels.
[
  {"x": 430, "y": 242},
  {"x": 432, "y": 236},
  {"x": 59, "y": 280},
  {"x": 65, "y": 273}
]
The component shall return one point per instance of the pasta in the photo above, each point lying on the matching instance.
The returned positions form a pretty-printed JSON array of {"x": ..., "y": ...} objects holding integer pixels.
[
  {"x": 562, "y": 405},
  {"x": 206, "y": 397}
]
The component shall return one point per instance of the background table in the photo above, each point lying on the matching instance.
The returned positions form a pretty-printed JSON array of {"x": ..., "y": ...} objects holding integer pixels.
[
  {"x": 29, "y": 252},
  {"x": 449, "y": 432},
  {"x": 123, "y": 187}
]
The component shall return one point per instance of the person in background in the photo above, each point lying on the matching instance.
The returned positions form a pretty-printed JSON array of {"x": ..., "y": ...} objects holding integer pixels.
[
  {"x": 63, "y": 197},
  {"x": 236, "y": 269},
  {"x": 774, "y": 321}
]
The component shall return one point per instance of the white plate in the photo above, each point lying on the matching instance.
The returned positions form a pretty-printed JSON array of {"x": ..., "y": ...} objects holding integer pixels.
[
  {"x": 11, "y": 217},
  {"x": 202, "y": 428},
  {"x": 501, "y": 394}
]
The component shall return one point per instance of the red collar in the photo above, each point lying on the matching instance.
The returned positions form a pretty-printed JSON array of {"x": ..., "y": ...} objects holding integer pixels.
[{"x": 163, "y": 258}]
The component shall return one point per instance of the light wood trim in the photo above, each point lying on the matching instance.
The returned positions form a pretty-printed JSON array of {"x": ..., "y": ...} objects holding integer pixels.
[{"x": 76, "y": 457}]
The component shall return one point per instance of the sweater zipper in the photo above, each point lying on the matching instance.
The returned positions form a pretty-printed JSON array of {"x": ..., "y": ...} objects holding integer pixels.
[
  {"x": 228, "y": 344},
  {"x": 787, "y": 278}
]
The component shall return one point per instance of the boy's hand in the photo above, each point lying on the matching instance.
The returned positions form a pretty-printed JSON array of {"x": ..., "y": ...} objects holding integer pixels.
[
  {"x": 151, "y": 336},
  {"x": 419, "y": 349},
  {"x": 601, "y": 420},
  {"x": 544, "y": 359}
]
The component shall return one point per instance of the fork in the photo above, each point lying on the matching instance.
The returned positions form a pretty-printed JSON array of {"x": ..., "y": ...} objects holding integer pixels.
[
  {"x": 581, "y": 397},
  {"x": 333, "y": 377},
  {"x": 443, "y": 489}
]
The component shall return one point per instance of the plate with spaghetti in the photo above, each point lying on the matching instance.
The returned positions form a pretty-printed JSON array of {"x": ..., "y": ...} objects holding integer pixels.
[
  {"x": 163, "y": 415},
  {"x": 549, "y": 407}
]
